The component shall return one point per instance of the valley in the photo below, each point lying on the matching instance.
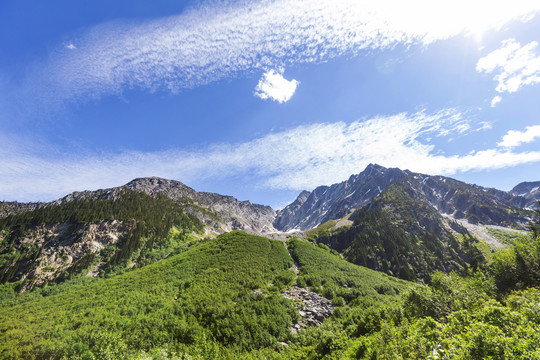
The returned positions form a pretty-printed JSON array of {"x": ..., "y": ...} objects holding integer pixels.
[{"x": 387, "y": 264}]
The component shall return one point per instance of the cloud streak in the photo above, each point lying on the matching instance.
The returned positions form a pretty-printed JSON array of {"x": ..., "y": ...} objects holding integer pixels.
[
  {"x": 299, "y": 158},
  {"x": 221, "y": 40}
]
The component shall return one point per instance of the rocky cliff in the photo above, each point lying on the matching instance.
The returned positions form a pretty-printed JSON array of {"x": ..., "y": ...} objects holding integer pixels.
[
  {"x": 451, "y": 197},
  {"x": 336, "y": 201},
  {"x": 529, "y": 190}
]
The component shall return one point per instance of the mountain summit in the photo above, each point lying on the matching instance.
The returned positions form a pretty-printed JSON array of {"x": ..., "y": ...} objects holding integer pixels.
[{"x": 450, "y": 197}]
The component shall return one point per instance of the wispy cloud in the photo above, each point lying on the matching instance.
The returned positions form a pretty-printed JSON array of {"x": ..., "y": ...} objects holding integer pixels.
[
  {"x": 299, "y": 158},
  {"x": 515, "y": 138},
  {"x": 514, "y": 66},
  {"x": 496, "y": 99},
  {"x": 222, "y": 39},
  {"x": 274, "y": 86}
]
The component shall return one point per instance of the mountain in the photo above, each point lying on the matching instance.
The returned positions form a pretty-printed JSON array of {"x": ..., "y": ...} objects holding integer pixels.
[
  {"x": 407, "y": 224},
  {"x": 528, "y": 190},
  {"x": 140, "y": 271},
  {"x": 220, "y": 213},
  {"x": 111, "y": 230},
  {"x": 336, "y": 201},
  {"x": 450, "y": 197},
  {"x": 400, "y": 233}
]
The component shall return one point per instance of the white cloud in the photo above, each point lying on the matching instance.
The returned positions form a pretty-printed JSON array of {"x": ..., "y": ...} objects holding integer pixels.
[
  {"x": 221, "y": 39},
  {"x": 274, "y": 86},
  {"x": 515, "y": 138},
  {"x": 70, "y": 46},
  {"x": 496, "y": 99},
  {"x": 299, "y": 158},
  {"x": 514, "y": 65}
]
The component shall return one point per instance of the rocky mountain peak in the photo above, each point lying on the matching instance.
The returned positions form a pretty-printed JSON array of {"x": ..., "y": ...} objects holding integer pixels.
[
  {"x": 525, "y": 187},
  {"x": 155, "y": 185},
  {"x": 530, "y": 190},
  {"x": 448, "y": 196},
  {"x": 338, "y": 200}
]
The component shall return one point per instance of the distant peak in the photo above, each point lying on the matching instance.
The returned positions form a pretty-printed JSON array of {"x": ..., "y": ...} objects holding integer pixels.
[
  {"x": 154, "y": 180},
  {"x": 374, "y": 166},
  {"x": 304, "y": 193}
]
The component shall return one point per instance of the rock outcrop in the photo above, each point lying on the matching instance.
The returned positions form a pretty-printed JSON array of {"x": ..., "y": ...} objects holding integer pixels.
[
  {"x": 529, "y": 190},
  {"x": 59, "y": 248},
  {"x": 14, "y": 207},
  {"x": 312, "y": 307}
]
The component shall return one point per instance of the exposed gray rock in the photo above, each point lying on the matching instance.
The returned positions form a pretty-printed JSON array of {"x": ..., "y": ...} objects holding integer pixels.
[
  {"x": 336, "y": 201},
  {"x": 60, "y": 247},
  {"x": 448, "y": 196},
  {"x": 14, "y": 207},
  {"x": 529, "y": 190},
  {"x": 312, "y": 307}
]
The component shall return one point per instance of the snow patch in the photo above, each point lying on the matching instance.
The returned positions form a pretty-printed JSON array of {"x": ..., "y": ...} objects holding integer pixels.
[{"x": 351, "y": 194}]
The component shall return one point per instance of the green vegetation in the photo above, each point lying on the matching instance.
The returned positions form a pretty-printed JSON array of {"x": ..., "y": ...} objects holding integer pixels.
[
  {"x": 200, "y": 302},
  {"x": 404, "y": 237},
  {"x": 338, "y": 280},
  {"x": 518, "y": 266},
  {"x": 220, "y": 298},
  {"x": 152, "y": 220},
  {"x": 363, "y": 299},
  {"x": 454, "y": 318},
  {"x": 506, "y": 237},
  {"x": 321, "y": 230},
  {"x": 482, "y": 316},
  {"x": 459, "y": 318}
]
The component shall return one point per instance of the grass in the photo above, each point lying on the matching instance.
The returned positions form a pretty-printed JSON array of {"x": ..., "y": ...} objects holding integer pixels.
[{"x": 505, "y": 236}]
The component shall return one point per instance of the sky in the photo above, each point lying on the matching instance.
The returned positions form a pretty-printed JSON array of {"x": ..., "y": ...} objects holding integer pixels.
[{"x": 263, "y": 99}]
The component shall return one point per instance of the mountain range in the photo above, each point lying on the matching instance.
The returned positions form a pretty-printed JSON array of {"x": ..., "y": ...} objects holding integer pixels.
[
  {"x": 387, "y": 219},
  {"x": 155, "y": 269}
]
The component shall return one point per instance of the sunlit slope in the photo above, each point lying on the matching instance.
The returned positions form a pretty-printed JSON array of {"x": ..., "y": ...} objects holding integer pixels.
[{"x": 206, "y": 292}]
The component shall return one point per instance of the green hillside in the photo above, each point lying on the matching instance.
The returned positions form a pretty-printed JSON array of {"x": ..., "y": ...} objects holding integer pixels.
[
  {"x": 401, "y": 234},
  {"x": 479, "y": 316},
  {"x": 201, "y": 302},
  {"x": 204, "y": 293},
  {"x": 221, "y": 299}
]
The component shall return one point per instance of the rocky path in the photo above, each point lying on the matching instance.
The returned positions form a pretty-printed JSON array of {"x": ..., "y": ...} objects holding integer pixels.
[{"x": 312, "y": 307}]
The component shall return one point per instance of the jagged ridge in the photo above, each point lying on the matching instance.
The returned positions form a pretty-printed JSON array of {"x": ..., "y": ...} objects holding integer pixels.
[{"x": 474, "y": 203}]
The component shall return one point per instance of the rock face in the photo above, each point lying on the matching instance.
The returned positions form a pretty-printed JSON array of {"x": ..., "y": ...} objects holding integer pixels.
[
  {"x": 61, "y": 247},
  {"x": 336, "y": 201},
  {"x": 529, "y": 191},
  {"x": 220, "y": 213},
  {"x": 448, "y": 196},
  {"x": 14, "y": 207}
]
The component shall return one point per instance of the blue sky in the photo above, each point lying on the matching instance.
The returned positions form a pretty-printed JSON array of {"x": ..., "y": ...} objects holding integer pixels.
[{"x": 262, "y": 99}]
